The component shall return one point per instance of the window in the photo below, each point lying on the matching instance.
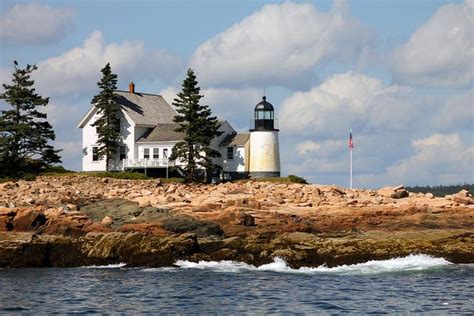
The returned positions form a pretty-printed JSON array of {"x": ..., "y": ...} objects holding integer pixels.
[
  {"x": 146, "y": 153},
  {"x": 95, "y": 153},
  {"x": 230, "y": 153},
  {"x": 165, "y": 153},
  {"x": 156, "y": 153},
  {"x": 123, "y": 152},
  {"x": 117, "y": 126},
  {"x": 264, "y": 115}
]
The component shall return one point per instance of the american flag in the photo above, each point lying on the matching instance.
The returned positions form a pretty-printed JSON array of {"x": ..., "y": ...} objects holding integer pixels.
[{"x": 351, "y": 144}]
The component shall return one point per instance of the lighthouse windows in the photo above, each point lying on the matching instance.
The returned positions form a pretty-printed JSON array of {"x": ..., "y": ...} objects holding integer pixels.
[
  {"x": 230, "y": 153},
  {"x": 264, "y": 115}
]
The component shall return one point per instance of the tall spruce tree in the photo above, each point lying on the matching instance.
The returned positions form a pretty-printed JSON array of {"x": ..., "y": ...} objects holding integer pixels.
[
  {"x": 108, "y": 121},
  {"x": 24, "y": 132},
  {"x": 199, "y": 128}
]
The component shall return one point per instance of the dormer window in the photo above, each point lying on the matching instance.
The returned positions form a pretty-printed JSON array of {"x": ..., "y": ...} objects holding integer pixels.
[{"x": 230, "y": 153}]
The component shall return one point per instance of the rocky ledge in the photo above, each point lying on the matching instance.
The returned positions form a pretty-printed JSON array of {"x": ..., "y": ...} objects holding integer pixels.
[{"x": 77, "y": 220}]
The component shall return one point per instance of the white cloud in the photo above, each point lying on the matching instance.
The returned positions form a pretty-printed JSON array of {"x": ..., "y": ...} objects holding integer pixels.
[
  {"x": 234, "y": 105},
  {"x": 458, "y": 112},
  {"x": 35, "y": 23},
  {"x": 78, "y": 70},
  {"x": 390, "y": 123},
  {"x": 280, "y": 43},
  {"x": 437, "y": 140},
  {"x": 378, "y": 161},
  {"x": 64, "y": 114},
  {"x": 169, "y": 94},
  {"x": 307, "y": 147},
  {"x": 61, "y": 112},
  {"x": 439, "y": 158},
  {"x": 441, "y": 51},
  {"x": 350, "y": 100}
]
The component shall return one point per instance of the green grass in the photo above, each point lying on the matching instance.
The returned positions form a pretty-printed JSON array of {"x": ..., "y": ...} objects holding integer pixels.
[
  {"x": 115, "y": 175},
  {"x": 289, "y": 179},
  {"x": 121, "y": 175},
  {"x": 296, "y": 179},
  {"x": 56, "y": 169},
  {"x": 172, "y": 180},
  {"x": 6, "y": 179}
]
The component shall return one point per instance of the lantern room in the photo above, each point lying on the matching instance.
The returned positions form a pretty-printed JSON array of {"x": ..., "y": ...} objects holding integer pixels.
[{"x": 264, "y": 116}]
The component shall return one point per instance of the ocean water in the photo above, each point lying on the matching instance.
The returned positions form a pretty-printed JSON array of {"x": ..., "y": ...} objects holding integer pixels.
[{"x": 416, "y": 284}]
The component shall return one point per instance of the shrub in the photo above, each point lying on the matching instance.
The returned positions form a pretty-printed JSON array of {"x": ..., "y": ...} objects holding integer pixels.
[
  {"x": 56, "y": 169},
  {"x": 296, "y": 179},
  {"x": 120, "y": 175},
  {"x": 6, "y": 179},
  {"x": 29, "y": 177},
  {"x": 172, "y": 180}
]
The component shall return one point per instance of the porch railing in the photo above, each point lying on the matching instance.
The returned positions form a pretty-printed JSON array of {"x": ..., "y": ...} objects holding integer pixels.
[{"x": 147, "y": 163}]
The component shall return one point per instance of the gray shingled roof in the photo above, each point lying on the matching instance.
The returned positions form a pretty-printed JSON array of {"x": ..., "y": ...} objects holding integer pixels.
[
  {"x": 235, "y": 140},
  {"x": 161, "y": 133},
  {"x": 145, "y": 109}
]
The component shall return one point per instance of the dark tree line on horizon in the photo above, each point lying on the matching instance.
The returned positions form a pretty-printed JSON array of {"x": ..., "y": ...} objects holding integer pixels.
[{"x": 441, "y": 190}]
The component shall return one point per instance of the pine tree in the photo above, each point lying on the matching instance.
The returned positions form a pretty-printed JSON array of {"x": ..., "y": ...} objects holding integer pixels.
[
  {"x": 199, "y": 128},
  {"x": 24, "y": 132},
  {"x": 108, "y": 121}
]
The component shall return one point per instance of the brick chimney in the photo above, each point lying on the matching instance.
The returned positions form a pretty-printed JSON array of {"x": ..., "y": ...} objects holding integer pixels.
[{"x": 131, "y": 87}]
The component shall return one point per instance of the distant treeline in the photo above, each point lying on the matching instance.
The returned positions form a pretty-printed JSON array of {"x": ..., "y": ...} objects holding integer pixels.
[{"x": 442, "y": 190}]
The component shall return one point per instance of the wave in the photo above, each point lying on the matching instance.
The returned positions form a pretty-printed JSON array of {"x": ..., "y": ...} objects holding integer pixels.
[
  {"x": 162, "y": 269},
  {"x": 109, "y": 266},
  {"x": 409, "y": 263}
]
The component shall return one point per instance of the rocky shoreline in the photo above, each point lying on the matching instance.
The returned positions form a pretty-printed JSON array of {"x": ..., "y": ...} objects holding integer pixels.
[{"x": 73, "y": 221}]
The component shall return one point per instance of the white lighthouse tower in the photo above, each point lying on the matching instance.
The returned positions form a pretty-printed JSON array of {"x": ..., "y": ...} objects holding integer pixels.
[{"x": 264, "y": 146}]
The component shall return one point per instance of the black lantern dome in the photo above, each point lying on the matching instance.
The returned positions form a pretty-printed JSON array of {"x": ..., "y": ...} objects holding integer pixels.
[
  {"x": 264, "y": 105},
  {"x": 264, "y": 116}
]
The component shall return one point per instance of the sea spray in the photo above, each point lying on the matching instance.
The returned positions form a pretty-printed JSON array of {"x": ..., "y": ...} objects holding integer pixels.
[
  {"x": 409, "y": 263},
  {"x": 109, "y": 266}
]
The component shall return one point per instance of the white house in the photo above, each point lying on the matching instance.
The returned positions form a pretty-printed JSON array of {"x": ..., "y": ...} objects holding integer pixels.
[{"x": 148, "y": 136}]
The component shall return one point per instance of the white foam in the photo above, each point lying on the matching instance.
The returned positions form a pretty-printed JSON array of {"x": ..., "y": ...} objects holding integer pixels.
[
  {"x": 109, "y": 266},
  {"x": 162, "y": 269},
  {"x": 220, "y": 266},
  {"x": 409, "y": 263}
]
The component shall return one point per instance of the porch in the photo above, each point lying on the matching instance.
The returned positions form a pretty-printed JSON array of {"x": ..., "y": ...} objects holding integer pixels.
[{"x": 147, "y": 163}]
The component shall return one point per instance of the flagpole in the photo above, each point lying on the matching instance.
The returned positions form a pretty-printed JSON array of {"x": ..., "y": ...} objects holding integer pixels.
[
  {"x": 351, "y": 147},
  {"x": 350, "y": 176}
]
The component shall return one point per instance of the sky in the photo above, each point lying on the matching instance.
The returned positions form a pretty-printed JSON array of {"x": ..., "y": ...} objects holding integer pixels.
[{"x": 398, "y": 73}]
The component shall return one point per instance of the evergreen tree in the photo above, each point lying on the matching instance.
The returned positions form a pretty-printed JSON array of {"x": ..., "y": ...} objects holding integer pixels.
[
  {"x": 108, "y": 122},
  {"x": 199, "y": 128},
  {"x": 24, "y": 131}
]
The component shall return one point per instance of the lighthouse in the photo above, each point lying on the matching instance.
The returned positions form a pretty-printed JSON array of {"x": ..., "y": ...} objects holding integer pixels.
[{"x": 264, "y": 145}]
